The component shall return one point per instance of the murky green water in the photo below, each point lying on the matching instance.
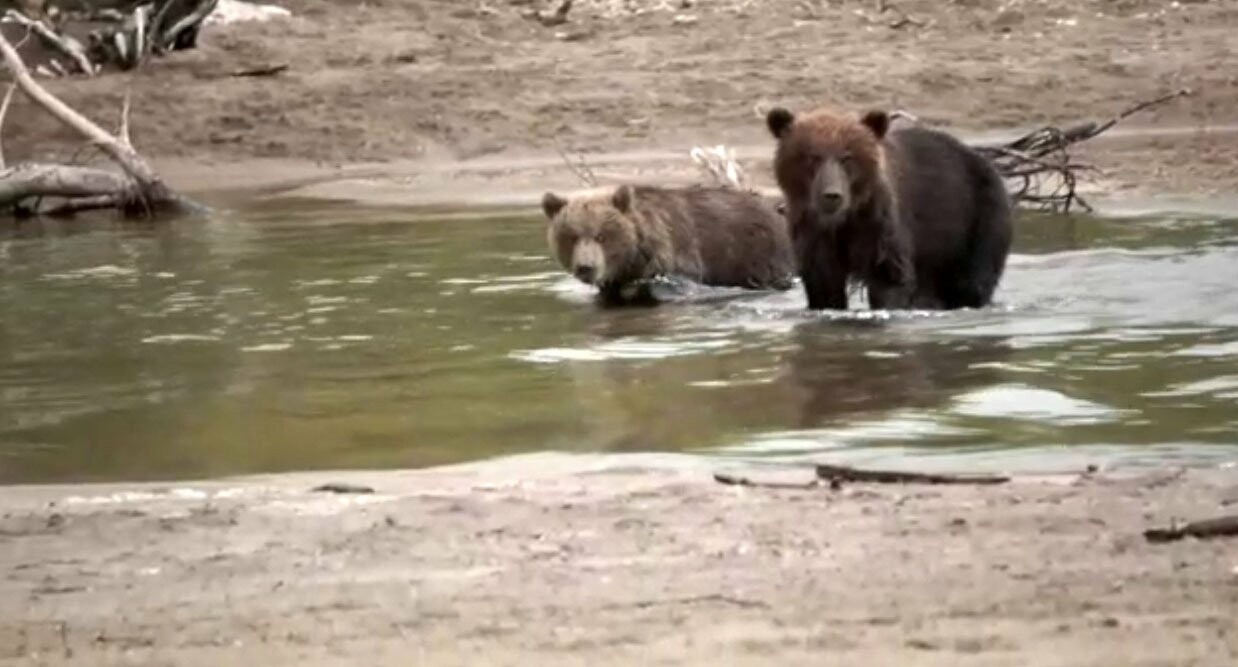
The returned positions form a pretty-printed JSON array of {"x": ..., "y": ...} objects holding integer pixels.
[{"x": 313, "y": 336}]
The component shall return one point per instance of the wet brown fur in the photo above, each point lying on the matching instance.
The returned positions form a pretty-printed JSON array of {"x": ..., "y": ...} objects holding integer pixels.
[
  {"x": 926, "y": 224},
  {"x": 710, "y": 235}
]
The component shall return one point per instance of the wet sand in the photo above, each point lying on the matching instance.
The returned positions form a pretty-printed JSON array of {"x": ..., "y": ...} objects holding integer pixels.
[{"x": 619, "y": 560}]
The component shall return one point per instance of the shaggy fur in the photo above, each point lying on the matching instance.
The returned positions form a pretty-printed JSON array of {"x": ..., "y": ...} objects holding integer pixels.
[
  {"x": 918, "y": 217},
  {"x": 714, "y": 236}
]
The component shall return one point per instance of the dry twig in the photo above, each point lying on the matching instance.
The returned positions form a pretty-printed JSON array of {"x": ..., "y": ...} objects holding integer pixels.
[{"x": 580, "y": 168}]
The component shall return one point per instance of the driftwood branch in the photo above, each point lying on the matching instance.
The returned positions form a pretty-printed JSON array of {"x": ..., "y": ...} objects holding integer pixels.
[
  {"x": 1039, "y": 168},
  {"x": 1226, "y": 526},
  {"x": 54, "y": 180},
  {"x": 139, "y": 189},
  {"x": 4, "y": 112},
  {"x": 834, "y": 476},
  {"x": 123, "y": 134},
  {"x": 261, "y": 70},
  {"x": 844, "y": 474},
  {"x": 732, "y": 480},
  {"x": 71, "y": 207}
]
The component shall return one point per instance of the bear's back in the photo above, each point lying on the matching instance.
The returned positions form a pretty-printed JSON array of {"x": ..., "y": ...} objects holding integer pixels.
[
  {"x": 936, "y": 179},
  {"x": 722, "y": 236}
]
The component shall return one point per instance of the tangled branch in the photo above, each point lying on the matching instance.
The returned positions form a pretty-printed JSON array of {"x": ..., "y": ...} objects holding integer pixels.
[
  {"x": 1039, "y": 168},
  {"x": 124, "y": 39}
]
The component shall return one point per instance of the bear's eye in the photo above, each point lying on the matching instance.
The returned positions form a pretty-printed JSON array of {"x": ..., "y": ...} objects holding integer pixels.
[
  {"x": 847, "y": 159},
  {"x": 600, "y": 237}
]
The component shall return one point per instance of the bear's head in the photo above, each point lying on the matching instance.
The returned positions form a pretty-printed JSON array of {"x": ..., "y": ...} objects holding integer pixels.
[
  {"x": 595, "y": 237},
  {"x": 827, "y": 164}
]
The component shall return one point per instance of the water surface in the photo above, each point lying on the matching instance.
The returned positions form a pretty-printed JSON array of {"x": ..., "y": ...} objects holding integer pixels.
[{"x": 296, "y": 335}]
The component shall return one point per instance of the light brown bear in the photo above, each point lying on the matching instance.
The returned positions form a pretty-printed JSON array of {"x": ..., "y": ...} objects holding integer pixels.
[{"x": 618, "y": 240}]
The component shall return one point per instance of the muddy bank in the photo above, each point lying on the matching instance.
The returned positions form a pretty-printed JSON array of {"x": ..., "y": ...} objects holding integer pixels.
[
  {"x": 428, "y": 82},
  {"x": 1143, "y": 170},
  {"x": 587, "y": 560}
]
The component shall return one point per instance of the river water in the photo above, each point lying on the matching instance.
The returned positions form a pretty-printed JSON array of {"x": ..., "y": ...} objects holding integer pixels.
[{"x": 300, "y": 335}]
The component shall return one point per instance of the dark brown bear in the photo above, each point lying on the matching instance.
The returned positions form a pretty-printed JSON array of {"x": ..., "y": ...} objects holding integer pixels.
[
  {"x": 920, "y": 219},
  {"x": 710, "y": 235}
]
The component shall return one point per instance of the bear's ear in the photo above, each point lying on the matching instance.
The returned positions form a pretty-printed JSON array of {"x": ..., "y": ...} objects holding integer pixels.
[
  {"x": 878, "y": 122},
  {"x": 552, "y": 204},
  {"x": 779, "y": 120},
  {"x": 622, "y": 199}
]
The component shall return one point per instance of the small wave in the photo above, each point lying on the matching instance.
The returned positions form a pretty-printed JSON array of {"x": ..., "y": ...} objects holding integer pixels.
[
  {"x": 103, "y": 271},
  {"x": 620, "y": 350},
  {"x": 1033, "y": 404},
  {"x": 267, "y": 347},
  {"x": 180, "y": 338},
  {"x": 1218, "y": 350}
]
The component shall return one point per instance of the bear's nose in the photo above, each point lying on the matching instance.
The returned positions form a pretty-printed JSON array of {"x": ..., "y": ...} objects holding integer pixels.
[
  {"x": 831, "y": 202},
  {"x": 585, "y": 273}
]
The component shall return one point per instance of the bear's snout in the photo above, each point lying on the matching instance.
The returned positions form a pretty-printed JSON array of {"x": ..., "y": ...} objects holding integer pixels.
[
  {"x": 589, "y": 262},
  {"x": 831, "y": 192},
  {"x": 585, "y": 273},
  {"x": 831, "y": 202}
]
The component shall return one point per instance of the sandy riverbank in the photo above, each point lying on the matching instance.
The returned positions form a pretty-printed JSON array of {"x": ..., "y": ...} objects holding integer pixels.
[{"x": 584, "y": 560}]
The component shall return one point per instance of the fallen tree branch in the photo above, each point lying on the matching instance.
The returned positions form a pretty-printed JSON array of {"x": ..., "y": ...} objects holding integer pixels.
[
  {"x": 140, "y": 189},
  {"x": 1226, "y": 526},
  {"x": 54, "y": 180},
  {"x": 4, "y": 111},
  {"x": 123, "y": 134},
  {"x": 835, "y": 473},
  {"x": 70, "y": 207}
]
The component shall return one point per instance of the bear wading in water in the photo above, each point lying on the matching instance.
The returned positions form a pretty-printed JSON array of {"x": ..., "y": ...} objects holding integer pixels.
[
  {"x": 915, "y": 215},
  {"x": 619, "y": 240}
]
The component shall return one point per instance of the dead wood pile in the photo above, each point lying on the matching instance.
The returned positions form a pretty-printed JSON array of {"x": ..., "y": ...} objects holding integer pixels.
[{"x": 98, "y": 34}]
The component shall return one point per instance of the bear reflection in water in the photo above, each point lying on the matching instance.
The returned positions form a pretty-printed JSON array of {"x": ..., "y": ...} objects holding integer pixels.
[
  {"x": 870, "y": 371},
  {"x": 822, "y": 373}
]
